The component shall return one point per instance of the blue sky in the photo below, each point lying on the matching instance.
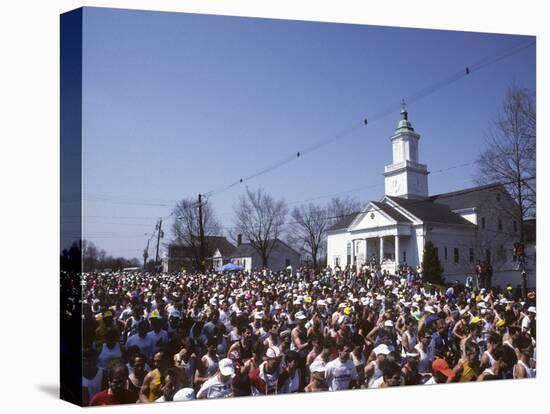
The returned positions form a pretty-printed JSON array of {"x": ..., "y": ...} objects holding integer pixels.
[{"x": 179, "y": 104}]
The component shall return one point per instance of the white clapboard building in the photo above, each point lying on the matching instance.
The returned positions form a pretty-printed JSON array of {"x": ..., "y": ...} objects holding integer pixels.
[{"x": 465, "y": 226}]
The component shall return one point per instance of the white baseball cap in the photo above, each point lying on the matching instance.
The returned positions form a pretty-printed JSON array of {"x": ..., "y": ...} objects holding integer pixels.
[
  {"x": 532, "y": 309},
  {"x": 226, "y": 367},
  {"x": 300, "y": 315},
  {"x": 317, "y": 366},
  {"x": 185, "y": 394},
  {"x": 273, "y": 352},
  {"x": 382, "y": 349}
]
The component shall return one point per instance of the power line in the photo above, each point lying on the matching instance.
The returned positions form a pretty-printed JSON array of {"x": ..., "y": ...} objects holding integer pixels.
[
  {"x": 411, "y": 202},
  {"x": 422, "y": 93}
]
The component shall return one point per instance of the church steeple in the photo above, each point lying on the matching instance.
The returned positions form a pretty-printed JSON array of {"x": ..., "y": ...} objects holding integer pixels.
[
  {"x": 404, "y": 122},
  {"x": 406, "y": 177}
]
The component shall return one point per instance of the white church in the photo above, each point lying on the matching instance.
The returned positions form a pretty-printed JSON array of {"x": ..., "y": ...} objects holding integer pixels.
[{"x": 465, "y": 226}]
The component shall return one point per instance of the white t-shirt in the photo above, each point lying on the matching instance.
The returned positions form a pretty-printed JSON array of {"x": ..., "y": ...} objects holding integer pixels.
[
  {"x": 214, "y": 388},
  {"x": 526, "y": 323},
  {"x": 144, "y": 344},
  {"x": 339, "y": 374},
  {"x": 431, "y": 381}
]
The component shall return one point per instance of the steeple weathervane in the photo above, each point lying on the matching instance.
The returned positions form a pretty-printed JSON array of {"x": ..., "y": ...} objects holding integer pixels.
[{"x": 404, "y": 113}]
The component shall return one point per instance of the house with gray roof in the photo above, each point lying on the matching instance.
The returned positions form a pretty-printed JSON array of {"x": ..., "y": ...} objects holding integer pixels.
[
  {"x": 465, "y": 226},
  {"x": 281, "y": 256}
]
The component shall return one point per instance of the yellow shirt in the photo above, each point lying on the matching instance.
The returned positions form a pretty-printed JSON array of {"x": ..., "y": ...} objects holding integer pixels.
[
  {"x": 468, "y": 372},
  {"x": 155, "y": 391}
]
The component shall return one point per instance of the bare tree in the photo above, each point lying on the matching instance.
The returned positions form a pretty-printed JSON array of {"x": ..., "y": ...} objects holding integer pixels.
[
  {"x": 310, "y": 223},
  {"x": 260, "y": 219},
  {"x": 338, "y": 208},
  {"x": 186, "y": 226},
  {"x": 510, "y": 157}
]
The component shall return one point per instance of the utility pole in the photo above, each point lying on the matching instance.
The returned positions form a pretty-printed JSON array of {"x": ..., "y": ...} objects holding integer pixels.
[
  {"x": 159, "y": 235},
  {"x": 201, "y": 236},
  {"x": 146, "y": 254}
]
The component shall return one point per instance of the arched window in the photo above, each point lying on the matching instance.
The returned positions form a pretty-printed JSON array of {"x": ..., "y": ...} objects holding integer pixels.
[{"x": 349, "y": 254}]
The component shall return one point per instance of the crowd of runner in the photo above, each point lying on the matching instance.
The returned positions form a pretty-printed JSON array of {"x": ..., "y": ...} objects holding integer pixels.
[{"x": 173, "y": 337}]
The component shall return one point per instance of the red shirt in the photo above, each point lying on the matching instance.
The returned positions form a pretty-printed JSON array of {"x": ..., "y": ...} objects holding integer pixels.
[{"x": 104, "y": 398}]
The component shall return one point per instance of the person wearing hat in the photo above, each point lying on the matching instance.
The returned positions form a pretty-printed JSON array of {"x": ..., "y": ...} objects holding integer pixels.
[
  {"x": 528, "y": 317},
  {"x": 441, "y": 373},
  {"x": 373, "y": 370},
  {"x": 219, "y": 384},
  {"x": 174, "y": 318},
  {"x": 270, "y": 376},
  {"x": 299, "y": 336},
  {"x": 158, "y": 335},
  {"x": 340, "y": 373},
  {"x": 317, "y": 378},
  {"x": 105, "y": 323}
]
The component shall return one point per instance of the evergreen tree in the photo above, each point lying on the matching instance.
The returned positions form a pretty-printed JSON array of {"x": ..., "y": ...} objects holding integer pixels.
[{"x": 431, "y": 266}]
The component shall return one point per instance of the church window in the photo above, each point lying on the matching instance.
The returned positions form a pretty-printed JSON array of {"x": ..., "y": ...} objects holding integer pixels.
[
  {"x": 488, "y": 255},
  {"x": 500, "y": 224},
  {"x": 498, "y": 197},
  {"x": 404, "y": 257},
  {"x": 482, "y": 222},
  {"x": 456, "y": 255},
  {"x": 445, "y": 253},
  {"x": 515, "y": 224},
  {"x": 471, "y": 254},
  {"x": 436, "y": 252},
  {"x": 337, "y": 261},
  {"x": 348, "y": 261}
]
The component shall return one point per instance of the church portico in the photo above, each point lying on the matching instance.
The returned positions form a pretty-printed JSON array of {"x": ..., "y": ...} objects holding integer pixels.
[{"x": 389, "y": 247}]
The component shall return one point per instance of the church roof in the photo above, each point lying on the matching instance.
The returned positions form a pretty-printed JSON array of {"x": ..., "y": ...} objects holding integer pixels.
[
  {"x": 431, "y": 212},
  {"x": 344, "y": 222},
  {"x": 467, "y": 198},
  {"x": 390, "y": 211}
]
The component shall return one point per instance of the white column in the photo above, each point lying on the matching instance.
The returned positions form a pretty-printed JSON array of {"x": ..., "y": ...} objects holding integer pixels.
[
  {"x": 366, "y": 251},
  {"x": 381, "y": 249},
  {"x": 396, "y": 253}
]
